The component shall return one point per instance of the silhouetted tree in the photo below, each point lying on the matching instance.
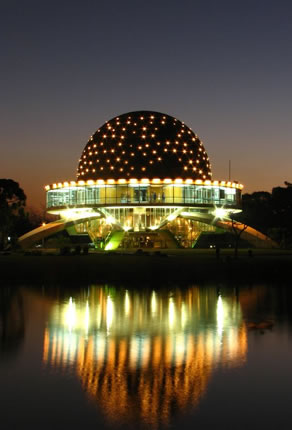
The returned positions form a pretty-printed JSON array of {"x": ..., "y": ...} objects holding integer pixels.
[
  {"x": 12, "y": 203},
  {"x": 270, "y": 213},
  {"x": 237, "y": 229},
  {"x": 37, "y": 217},
  {"x": 257, "y": 211}
]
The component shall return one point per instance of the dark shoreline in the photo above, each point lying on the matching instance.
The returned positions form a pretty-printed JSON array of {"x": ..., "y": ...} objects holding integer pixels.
[{"x": 161, "y": 268}]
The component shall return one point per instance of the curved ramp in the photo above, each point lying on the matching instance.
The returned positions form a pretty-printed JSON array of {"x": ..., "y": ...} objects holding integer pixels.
[
  {"x": 256, "y": 238},
  {"x": 253, "y": 236},
  {"x": 33, "y": 236}
]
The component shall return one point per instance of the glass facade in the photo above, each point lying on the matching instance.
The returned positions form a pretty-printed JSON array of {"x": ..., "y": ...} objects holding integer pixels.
[
  {"x": 136, "y": 219},
  {"x": 142, "y": 194},
  {"x": 180, "y": 231},
  {"x": 129, "y": 215}
]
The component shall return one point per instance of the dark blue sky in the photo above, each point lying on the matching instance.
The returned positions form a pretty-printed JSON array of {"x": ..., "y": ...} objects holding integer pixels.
[{"x": 222, "y": 67}]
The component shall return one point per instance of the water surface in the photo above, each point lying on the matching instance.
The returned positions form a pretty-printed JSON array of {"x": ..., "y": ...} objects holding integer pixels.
[{"x": 112, "y": 357}]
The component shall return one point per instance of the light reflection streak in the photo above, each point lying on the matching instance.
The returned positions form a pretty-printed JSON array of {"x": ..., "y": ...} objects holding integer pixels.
[
  {"x": 127, "y": 303},
  {"x": 70, "y": 315},
  {"x": 98, "y": 315},
  {"x": 183, "y": 315},
  {"x": 139, "y": 355},
  {"x": 220, "y": 316},
  {"x": 109, "y": 313},
  {"x": 153, "y": 303},
  {"x": 171, "y": 313},
  {"x": 86, "y": 319}
]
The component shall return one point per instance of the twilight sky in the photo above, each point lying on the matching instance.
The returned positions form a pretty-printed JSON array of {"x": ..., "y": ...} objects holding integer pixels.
[{"x": 224, "y": 67}]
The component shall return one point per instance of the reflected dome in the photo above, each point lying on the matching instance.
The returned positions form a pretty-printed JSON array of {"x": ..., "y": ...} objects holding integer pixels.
[{"x": 138, "y": 353}]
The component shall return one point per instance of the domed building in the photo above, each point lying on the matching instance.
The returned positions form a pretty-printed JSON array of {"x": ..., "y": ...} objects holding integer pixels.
[
  {"x": 144, "y": 144},
  {"x": 143, "y": 181}
]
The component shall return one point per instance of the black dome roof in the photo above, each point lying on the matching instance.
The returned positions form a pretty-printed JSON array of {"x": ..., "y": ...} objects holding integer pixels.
[{"x": 144, "y": 144}]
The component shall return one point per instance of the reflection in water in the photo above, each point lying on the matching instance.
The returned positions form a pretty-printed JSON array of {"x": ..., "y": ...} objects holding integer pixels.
[
  {"x": 11, "y": 321},
  {"x": 145, "y": 355}
]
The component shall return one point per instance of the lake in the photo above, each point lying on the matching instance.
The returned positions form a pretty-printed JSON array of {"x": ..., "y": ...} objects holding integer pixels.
[{"x": 112, "y": 356}]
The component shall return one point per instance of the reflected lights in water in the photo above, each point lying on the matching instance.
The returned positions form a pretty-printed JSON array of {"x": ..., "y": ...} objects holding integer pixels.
[{"x": 145, "y": 355}]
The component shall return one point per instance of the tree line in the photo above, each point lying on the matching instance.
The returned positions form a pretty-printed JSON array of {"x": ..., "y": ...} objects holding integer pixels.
[
  {"x": 270, "y": 213},
  {"x": 15, "y": 218}
]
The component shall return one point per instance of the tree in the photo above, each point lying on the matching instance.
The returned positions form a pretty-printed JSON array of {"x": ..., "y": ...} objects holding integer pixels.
[
  {"x": 38, "y": 216},
  {"x": 237, "y": 229},
  {"x": 270, "y": 213},
  {"x": 257, "y": 211},
  {"x": 288, "y": 184},
  {"x": 12, "y": 203}
]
